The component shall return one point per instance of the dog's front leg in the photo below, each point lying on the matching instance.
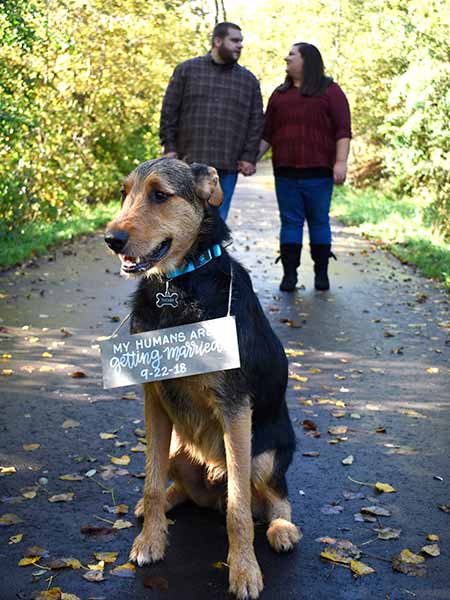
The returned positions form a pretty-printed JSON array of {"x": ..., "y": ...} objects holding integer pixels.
[
  {"x": 245, "y": 574},
  {"x": 150, "y": 544}
]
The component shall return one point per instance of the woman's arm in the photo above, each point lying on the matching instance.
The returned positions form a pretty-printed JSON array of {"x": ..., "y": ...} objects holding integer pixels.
[
  {"x": 340, "y": 166},
  {"x": 263, "y": 147}
]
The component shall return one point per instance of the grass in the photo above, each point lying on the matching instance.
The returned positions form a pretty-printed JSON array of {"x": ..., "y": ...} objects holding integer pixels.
[
  {"x": 398, "y": 224},
  {"x": 35, "y": 239}
]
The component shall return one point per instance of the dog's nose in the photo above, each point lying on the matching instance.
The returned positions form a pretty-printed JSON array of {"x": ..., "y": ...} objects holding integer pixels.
[{"x": 116, "y": 240}]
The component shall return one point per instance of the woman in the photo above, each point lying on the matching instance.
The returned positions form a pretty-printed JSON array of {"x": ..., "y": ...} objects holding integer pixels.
[{"x": 307, "y": 123}]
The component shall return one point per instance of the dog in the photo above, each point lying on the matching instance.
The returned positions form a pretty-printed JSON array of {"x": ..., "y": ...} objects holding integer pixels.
[{"x": 224, "y": 438}]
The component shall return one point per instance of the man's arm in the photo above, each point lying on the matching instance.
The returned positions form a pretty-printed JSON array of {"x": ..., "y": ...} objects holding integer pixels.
[
  {"x": 254, "y": 128},
  {"x": 170, "y": 112}
]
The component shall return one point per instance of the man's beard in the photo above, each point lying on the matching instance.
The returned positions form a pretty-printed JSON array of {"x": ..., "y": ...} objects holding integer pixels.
[{"x": 226, "y": 55}]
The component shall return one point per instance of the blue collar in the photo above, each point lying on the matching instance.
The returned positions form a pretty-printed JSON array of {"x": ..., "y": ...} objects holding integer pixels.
[{"x": 202, "y": 260}]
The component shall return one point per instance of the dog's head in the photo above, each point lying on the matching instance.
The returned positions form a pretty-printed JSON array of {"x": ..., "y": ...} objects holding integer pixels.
[{"x": 163, "y": 206}]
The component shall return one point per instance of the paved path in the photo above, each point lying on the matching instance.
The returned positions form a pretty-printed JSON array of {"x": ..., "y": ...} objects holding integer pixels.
[{"x": 370, "y": 355}]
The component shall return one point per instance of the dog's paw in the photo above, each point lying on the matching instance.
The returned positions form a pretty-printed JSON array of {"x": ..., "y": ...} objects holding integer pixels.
[
  {"x": 245, "y": 577},
  {"x": 283, "y": 535},
  {"x": 139, "y": 509},
  {"x": 148, "y": 549}
]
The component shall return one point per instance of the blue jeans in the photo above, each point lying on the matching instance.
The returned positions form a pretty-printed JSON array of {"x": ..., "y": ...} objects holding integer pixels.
[
  {"x": 300, "y": 199},
  {"x": 227, "y": 183}
]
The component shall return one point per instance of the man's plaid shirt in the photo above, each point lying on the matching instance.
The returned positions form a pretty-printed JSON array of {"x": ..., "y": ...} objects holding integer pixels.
[{"x": 212, "y": 113}]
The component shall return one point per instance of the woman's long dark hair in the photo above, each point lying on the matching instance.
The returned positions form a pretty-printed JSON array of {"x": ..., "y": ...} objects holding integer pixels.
[{"x": 315, "y": 82}]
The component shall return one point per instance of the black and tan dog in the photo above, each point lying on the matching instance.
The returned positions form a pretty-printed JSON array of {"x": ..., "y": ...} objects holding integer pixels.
[{"x": 223, "y": 438}]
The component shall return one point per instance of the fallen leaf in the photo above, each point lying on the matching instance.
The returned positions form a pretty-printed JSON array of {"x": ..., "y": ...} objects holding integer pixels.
[
  {"x": 431, "y": 550},
  {"x": 10, "y": 519},
  {"x": 331, "y": 509},
  {"x": 311, "y": 454},
  {"x": 431, "y": 537},
  {"x": 445, "y": 508},
  {"x": 16, "y": 539},
  {"x": 353, "y": 495},
  {"x": 388, "y": 533},
  {"x": 432, "y": 370},
  {"x": 125, "y": 570},
  {"x": 326, "y": 540},
  {"x": 409, "y": 563},
  {"x": 94, "y": 576},
  {"x": 107, "y": 557},
  {"x": 62, "y": 497},
  {"x": 338, "y": 414},
  {"x": 348, "y": 461},
  {"x": 108, "y": 436},
  {"x": 7, "y": 372},
  {"x": 414, "y": 414},
  {"x": 65, "y": 563},
  {"x": 7, "y": 470},
  {"x": 129, "y": 396},
  {"x": 122, "y": 460},
  {"x": 100, "y": 566},
  {"x": 47, "y": 355},
  {"x": 30, "y": 447},
  {"x": 139, "y": 448},
  {"x": 314, "y": 370},
  {"x": 384, "y": 487},
  {"x": 359, "y": 569},
  {"x": 341, "y": 552},
  {"x": 339, "y": 430},
  {"x": 70, "y": 424},
  {"x": 379, "y": 511},
  {"x": 51, "y": 594},
  {"x": 309, "y": 425},
  {"x": 29, "y": 560},
  {"x": 78, "y": 375},
  {"x": 296, "y": 377},
  {"x": 37, "y": 551},
  {"x": 121, "y": 524},
  {"x": 71, "y": 477}
]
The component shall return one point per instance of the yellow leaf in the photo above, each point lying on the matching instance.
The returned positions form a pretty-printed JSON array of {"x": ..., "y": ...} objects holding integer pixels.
[
  {"x": 30, "y": 447},
  {"x": 32, "y": 339},
  {"x": 121, "y": 524},
  {"x": 431, "y": 537},
  {"x": 7, "y": 372},
  {"x": 219, "y": 565},
  {"x": 65, "y": 596},
  {"x": 314, "y": 370},
  {"x": 433, "y": 370},
  {"x": 431, "y": 550},
  {"x": 359, "y": 568},
  {"x": 384, "y": 487},
  {"x": 47, "y": 355},
  {"x": 409, "y": 557},
  {"x": 29, "y": 560},
  {"x": 71, "y": 477},
  {"x": 335, "y": 556},
  {"x": 296, "y": 377},
  {"x": 138, "y": 448},
  {"x": 108, "y": 436},
  {"x": 125, "y": 570},
  {"x": 51, "y": 594},
  {"x": 46, "y": 369},
  {"x": 70, "y": 424},
  {"x": 98, "y": 567},
  {"x": 7, "y": 470},
  {"x": 6, "y": 356},
  {"x": 29, "y": 495},
  {"x": 106, "y": 557},
  {"x": 16, "y": 539},
  {"x": 10, "y": 519},
  {"x": 123, "y": 460}
]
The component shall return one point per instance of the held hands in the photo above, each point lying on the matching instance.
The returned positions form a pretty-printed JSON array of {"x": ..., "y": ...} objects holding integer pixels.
[
  {"x": 339, "y": 172},
  {"x": 246, "y": 168}
]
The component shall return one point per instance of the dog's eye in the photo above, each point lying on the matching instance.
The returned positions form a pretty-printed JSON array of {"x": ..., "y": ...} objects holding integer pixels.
[{"x": 158, "y": 196}]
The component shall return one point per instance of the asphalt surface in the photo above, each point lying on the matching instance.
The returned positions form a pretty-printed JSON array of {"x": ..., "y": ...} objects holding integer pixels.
[{"x": 370, "y": 355}]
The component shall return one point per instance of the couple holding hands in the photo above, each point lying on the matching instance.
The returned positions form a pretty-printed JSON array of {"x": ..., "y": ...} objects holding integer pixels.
[{"x": 212, "y": 113}]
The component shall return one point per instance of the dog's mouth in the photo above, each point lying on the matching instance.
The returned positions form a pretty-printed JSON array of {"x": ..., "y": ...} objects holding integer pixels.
[{"x": 140, "y": 264}]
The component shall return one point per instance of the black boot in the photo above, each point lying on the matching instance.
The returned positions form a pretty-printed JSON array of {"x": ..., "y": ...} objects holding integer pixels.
[
  {"x": 290, "y": 259},
  {"x": 320, "y": 253}
]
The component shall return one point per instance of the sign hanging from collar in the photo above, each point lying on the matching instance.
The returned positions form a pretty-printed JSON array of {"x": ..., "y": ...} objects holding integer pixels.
[
  {"x": 169, "y": 353},
  {"x": 173, "y": 352}
]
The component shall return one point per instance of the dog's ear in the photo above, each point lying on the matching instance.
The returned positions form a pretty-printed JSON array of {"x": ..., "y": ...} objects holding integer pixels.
[{"x": 207, "y": 186}]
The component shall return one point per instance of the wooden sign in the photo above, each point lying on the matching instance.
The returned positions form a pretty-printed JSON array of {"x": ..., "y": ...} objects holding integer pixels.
[{"x": 192, "y": 349}]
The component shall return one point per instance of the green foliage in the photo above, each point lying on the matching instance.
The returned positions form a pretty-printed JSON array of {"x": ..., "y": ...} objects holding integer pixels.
[
  {"x": 399, "y": 223},
  {"x": 81, "y": 89}
]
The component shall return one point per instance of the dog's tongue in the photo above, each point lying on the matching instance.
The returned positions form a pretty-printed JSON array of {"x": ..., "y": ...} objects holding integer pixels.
[{"x": 128, "y": 260}]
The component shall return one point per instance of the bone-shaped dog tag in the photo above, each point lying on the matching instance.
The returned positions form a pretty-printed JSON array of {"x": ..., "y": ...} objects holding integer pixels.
[{"x": 167, "y": 299}]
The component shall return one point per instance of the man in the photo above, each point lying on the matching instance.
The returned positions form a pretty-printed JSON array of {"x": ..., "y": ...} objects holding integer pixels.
[{"x": 213, "y": 112}]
